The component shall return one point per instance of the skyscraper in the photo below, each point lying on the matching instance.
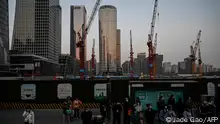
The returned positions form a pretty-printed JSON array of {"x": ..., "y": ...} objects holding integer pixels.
[
  {"x": 107, "y": 42},
  {"x": 37, "y": 28},
  {"x": 118, "y": 48},
  {"x": 77, "y": 19},
  {"x": 4, "y": 32}
]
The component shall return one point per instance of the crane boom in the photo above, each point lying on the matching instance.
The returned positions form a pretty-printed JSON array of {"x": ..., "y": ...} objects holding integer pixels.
[
  {"x": 81, "y": 44},
  {"x": 150, "y": 44},
  {"x": 131, "y": 57}
]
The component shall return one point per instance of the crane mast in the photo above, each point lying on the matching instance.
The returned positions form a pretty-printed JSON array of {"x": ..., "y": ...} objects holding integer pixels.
[
  {"x": 93, "y": 59},
  {"x": 200, "y": 61},
  {"x": 155, "y": 55},
  {"x": 81, "y": 44},
  {"x": 131, "y": 57},
  {"x": 193, "y": 50},
  {"x": 150, "y": 44}
]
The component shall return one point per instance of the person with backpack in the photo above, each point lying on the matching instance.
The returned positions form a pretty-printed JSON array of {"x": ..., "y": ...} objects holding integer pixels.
[
  {"x": 66, "y": 112},
  {"x": 28, "y": 115},
  {"x": 127, "y": 108}
]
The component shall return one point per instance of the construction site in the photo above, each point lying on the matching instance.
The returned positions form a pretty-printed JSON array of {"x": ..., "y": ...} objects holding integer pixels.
[{"x": 195, "y": 49}]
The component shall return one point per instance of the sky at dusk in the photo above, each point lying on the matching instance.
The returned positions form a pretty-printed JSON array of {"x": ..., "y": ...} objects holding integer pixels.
[{"x": 177, "y": 26}]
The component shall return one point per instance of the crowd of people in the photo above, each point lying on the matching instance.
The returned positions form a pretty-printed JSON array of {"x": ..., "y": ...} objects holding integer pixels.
[{"x": 132, "y": 112}]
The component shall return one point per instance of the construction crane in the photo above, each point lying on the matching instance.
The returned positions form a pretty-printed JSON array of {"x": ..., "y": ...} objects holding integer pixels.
[
  {"x": 155, "y": 55},
  {"x": 131, "y": 57},
  {"x": 193, "y": 51},
  {"x": 82, "y": 38},
  {"x": 93, "y": 59},
  {"x": 200, "y": 61},
  {"x": 150, "y": 39}
]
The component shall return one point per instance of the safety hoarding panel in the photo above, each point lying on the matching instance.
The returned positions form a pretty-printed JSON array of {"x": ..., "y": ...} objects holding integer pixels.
[
  {"x": 28, "y": 91},
  {"x": 64, "y": 90},
  {"x": 151, "y": 96}
]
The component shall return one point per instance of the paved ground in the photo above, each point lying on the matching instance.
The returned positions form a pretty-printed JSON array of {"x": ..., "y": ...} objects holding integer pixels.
[{"x": 42, "y": 116}]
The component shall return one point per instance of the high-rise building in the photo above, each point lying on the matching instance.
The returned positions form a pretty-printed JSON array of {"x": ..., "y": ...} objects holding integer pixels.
[
  {"x": 107, "y": 42},
  {"x": 182, "y": 67},
  {"x": 118, "y": 48},
  {"x": 167, "y": 67},
  {"x": 77, "y": 19},
  {"x": 37, "y": 28},
  {"x": 78, "y": 16},
  {"x": 4, "y": 33}
]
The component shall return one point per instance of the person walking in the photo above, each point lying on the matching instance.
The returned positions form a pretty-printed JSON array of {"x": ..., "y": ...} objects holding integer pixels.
[
  {"x": 86, "y": 116},
  {"x": 172, "y": 102},
  {"x": 76, "y": 105},
  {"x": 28, "y": 114},
  {"x": 149, "y": 114},
  {"x": 66, "y": 112},
  {"x": 117, "y": 108},
  {"x": 138, "y": 106},
  {"x": 180, "y": 108},
  {"x": 126, "y": 111},
  {"x": 160, "y": 104},
  {"x": 187, "y": 114},
  {"x": 162, "y": 115}
]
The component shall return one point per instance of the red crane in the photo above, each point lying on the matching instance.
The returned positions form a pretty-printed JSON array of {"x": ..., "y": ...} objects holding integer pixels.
[
  {"x": 193, "y": 51},
  {"x": 93, "y": 59},
  {"x": 131, "y": 57},
  {"x": 150, "y": 44},
  {"x": 155, "y": 55},
  {"x": 82, "y": 38}
]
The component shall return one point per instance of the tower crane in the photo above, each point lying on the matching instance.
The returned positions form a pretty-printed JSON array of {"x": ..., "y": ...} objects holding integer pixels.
[
  {"x": 82, "y": 38},
  {"x": 131, "y": 57},
  {"x": 93, "y": 59},
  {"x": 193, "y": 51},
  {"x": 150, "y": 39},
  {"x": 155, "y": 55}
]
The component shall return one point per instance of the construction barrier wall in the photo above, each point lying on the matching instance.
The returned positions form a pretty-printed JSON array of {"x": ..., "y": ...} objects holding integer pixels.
[{"x": 46, "y": 96}]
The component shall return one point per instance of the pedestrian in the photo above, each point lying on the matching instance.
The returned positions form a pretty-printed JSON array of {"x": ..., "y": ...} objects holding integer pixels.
[
  {"x": 149, "y": 114},
  {"x": 66, "y": 112},
  {"x": 162, "y": 115},
  {"x": 141, "y": 119},
  {"x": 203, "y": 109},
  {"x": 108, "y": 109},
  {"x": 103, "y": 109},
  {"x": 180, "y": 108},
  {"x": 170, "y": 113},
  {"x": 172, "y": 101},
  {"x": 160, "y": 103},
  {"x": 188, "y": 103},
  {"x": 137, "y": 105},
  {"x": 86, "y": 116},
  {"x": 126, "y": 111},
  {"x": 117, "y": 108},
  {"x": 28, "y": 115},
  {"x": 187, "y": 114},
  {"x": 76, "y": 105}
]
